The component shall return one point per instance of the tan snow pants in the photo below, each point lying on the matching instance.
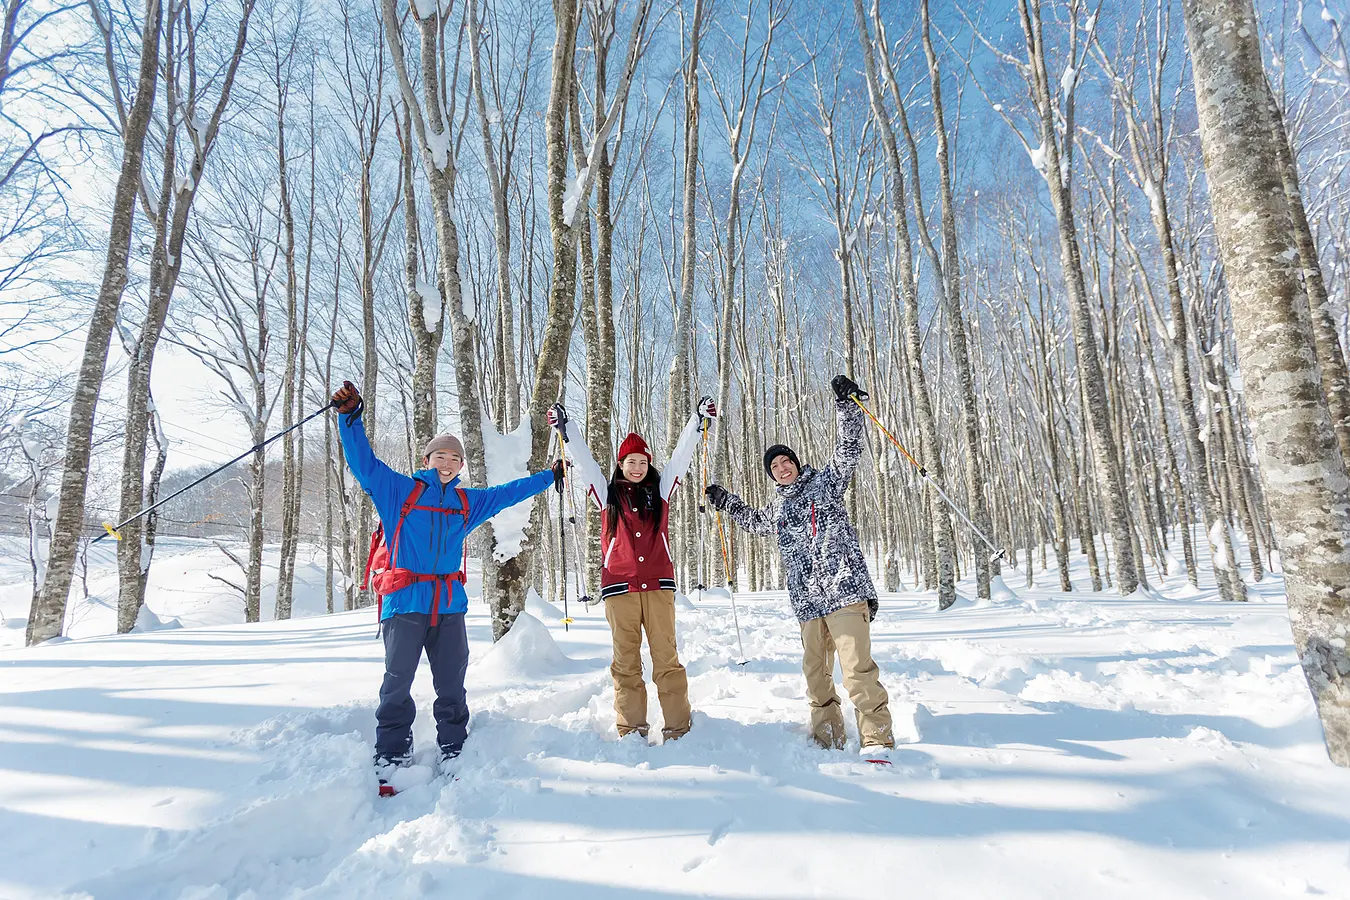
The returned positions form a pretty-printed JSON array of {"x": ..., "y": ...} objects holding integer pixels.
[
  {"x": 848, "y": 633},
  {"x": 629, "y": 615}
]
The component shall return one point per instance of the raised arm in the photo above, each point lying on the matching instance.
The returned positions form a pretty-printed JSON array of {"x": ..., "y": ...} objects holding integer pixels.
[
  {"x": 678, "y": 466},
  {"x": 848, "y": 436},
  {"x": 583, "y": 462},
  {"x": 484, "y": 503},
  {"x": 848, "y": 444},
  {"x": 386, "y": 487}
]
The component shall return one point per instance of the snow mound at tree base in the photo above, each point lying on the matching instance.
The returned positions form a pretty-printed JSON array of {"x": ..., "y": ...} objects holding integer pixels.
[
  {"x": 148, "y": 621},
  {"x": 963, "y": 602},
  {"x": 540, "y": 608},
  {"x": 527, "y": 652},
  {"x": 683, "y": 602},
  {"x": 999, "y": 592}
]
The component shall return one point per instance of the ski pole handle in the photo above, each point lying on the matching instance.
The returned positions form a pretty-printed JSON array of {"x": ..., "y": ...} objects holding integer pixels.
[
  {"x": 707, "y": 409},
  {"x": 557, "y": 419}
]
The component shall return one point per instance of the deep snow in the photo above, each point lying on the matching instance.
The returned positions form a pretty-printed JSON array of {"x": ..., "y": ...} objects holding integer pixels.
[{"x": 1056, "y": 746}]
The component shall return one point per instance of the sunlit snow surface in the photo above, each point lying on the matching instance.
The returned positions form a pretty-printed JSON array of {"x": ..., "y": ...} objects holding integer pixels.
[{"x": 1052, "y": 746}]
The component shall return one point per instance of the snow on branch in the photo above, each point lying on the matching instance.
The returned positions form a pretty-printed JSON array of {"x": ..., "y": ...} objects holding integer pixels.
[{"x": 580, "y": 189}]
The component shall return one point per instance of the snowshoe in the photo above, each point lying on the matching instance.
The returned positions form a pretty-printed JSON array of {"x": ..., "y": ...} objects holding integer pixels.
[{"x": 877, "y": 755}]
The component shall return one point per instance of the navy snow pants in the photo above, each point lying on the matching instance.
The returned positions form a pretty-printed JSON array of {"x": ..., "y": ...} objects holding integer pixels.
[{"x": 406, "y": 635}]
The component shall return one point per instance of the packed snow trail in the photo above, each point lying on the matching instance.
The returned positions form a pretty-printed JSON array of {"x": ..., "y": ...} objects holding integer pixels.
[{"x": 1052, "y": 746}]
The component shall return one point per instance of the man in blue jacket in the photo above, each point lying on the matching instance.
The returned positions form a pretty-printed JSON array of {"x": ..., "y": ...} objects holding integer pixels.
[{"x": 426, "y": 606}]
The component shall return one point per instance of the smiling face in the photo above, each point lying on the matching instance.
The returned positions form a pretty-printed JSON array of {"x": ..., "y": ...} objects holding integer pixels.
[
  {"x": 447, "y": 464},
  {"x": 783, "y": 470},
  {"x": 634, "y": 467}
]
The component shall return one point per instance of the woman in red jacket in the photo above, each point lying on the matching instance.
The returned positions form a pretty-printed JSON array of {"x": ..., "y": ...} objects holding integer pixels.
[{"x": 637, "y": 578}]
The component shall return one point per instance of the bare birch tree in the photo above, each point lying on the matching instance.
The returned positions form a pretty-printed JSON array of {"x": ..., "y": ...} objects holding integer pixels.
[
  {"x": 1053, "y": 126},
  {"x": 1304, "y": 472},
  {"x": 49, "y": 614},
  {"x": 677, "y": 394},
  {"x": 940, "y": 519}
]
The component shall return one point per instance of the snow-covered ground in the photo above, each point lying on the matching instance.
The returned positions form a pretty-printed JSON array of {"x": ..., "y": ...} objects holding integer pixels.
[
  {"x": 183, "y": 589},
  {"x": 1058, "y": 745}
]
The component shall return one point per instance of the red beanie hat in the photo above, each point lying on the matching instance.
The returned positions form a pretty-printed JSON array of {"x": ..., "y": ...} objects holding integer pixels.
[{"x": 634, "y": 444}]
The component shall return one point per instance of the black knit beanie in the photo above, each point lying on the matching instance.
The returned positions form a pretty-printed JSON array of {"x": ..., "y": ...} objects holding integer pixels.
[{"x": 776, "y": 451}]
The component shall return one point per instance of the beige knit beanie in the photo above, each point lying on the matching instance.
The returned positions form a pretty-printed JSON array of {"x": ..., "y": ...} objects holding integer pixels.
[{"x": 444, "y": 442}]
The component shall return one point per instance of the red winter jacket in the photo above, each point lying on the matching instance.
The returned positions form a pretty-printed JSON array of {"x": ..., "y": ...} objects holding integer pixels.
[{"x": 637, "y": 556}]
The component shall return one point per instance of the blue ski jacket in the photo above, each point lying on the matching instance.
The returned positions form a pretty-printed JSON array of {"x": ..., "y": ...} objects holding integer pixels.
[{"x": 431, "y": 543}]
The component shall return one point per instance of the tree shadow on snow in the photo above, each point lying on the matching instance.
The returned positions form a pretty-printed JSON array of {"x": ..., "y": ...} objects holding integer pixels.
[
  {"x": 772, "y": 781},
  {"x": 1072, "y": 729}
]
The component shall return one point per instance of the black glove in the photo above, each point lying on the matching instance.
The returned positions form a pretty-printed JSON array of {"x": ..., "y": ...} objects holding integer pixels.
[
  {"x": 717, "y": 495},
  {"x": 557, "y": 418},
  {"x": 558, "y": 476},
  {"x": 347, "y": 399},
  {"x": 845, "y": 387},
  {"x": 707, "y": 409}
]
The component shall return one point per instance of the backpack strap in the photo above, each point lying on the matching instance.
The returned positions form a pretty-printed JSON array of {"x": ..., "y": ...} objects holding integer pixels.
[
  {"x": 464, "y": 562},
  {"x": 462, "y": 511},
  {"x": 408, "y": 504}
]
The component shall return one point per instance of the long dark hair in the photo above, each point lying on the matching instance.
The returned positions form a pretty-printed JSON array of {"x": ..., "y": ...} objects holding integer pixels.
[{"x": 644, "y": 495}]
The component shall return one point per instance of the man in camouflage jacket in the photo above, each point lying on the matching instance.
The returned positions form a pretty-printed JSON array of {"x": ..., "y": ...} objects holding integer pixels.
[{"x": 828, "y": 583}]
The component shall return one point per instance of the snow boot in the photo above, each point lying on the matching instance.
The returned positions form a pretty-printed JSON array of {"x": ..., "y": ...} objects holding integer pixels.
[{"x": 384, "y": 771}]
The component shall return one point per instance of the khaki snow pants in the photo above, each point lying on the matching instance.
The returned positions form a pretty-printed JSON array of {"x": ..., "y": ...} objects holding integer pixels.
[
  {"x": 848, "y": 633},
  {"x": 629, "y": 615}
]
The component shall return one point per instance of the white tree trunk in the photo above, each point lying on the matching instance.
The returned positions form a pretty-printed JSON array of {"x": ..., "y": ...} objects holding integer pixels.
[
  {"x": 50, "y": 612},
  {"x": 677, "y": 398},
  {"x": 1301, "y": 463}
]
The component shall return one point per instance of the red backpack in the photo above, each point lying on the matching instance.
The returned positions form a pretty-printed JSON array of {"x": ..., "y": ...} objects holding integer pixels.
[{"x": 382, "y": 572}]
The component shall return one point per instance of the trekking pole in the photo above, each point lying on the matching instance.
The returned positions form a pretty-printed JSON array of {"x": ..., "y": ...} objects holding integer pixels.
[
  {"x": 731, "y": 589},
  {"x": 702, "y": 507},
  {"x": 578, "y": 577},
  {"x": 562, "y": 542},
  {"x": 726, "y": 557},
  {"x": 999, "y": 552},
  {"x": 114, "y": 530}
]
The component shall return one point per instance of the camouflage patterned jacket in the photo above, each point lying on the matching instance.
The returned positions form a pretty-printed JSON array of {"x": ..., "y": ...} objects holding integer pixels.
[{"x": 825, "y": 567}]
